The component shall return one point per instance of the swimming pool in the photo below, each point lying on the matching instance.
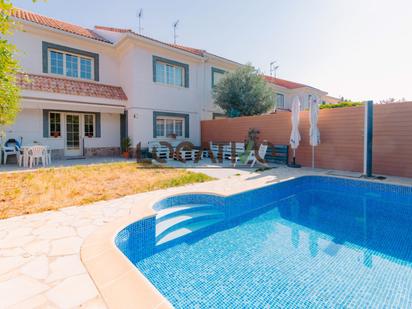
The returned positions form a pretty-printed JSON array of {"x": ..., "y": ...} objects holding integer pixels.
[{"x": 313, "y": 241}]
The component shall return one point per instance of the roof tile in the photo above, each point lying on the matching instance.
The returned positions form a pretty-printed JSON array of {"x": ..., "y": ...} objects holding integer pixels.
[
  {"x": 283, "y": 82},
  {"x": 70, "y": 87},
  {"x": 57, "y": 24},
  {"x": 196, "y": 51}
]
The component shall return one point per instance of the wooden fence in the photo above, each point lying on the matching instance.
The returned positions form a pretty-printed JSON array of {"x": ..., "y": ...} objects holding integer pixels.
[{"x": 341, "y": 133}]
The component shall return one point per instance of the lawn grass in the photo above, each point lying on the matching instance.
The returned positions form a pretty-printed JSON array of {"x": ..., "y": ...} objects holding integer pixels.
[{"x": 50, "y": 189}]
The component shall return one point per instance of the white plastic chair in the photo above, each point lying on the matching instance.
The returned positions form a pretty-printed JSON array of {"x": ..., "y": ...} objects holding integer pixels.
[
  {"x": 239, "y": 150},
  {"x": 36, "y": 153},
  {"x": 48, "y": 155},
  {"x": 10, "y": 148}
]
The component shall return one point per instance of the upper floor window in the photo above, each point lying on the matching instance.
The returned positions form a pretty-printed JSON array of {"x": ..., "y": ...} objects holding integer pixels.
[
  {"x": 170, "y": 72},
  {"x": 217, "y": 75},
  {"x": 70, "y": 65},
  {"x": 71, "y": 62},
  {"x": 280, "y": 101},
  {"x": 86, "y": 68}
]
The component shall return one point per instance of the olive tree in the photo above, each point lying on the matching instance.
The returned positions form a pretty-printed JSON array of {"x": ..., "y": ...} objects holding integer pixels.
[
  {"x": 243, "y": 92},
  {"x": 9, "y": 91}
]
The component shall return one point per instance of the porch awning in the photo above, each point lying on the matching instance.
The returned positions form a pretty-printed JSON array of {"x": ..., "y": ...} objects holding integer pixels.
[{"x": 63, "y": 105}]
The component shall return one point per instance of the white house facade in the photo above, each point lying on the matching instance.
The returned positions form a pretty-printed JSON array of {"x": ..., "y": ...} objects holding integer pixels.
[{"x": 84, "y": 90}]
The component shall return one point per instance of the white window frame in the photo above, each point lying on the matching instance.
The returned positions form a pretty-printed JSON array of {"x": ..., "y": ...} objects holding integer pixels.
[
  {"x": 94, "y": 124},
  {"x": 61, "y": 124},
  {"x": 164, "y": 118},
  {"x": 165, "y": 64},
  {"x": 79, "y": 56}
]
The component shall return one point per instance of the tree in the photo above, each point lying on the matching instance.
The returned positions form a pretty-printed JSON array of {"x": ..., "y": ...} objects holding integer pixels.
[
  {"x": 9, "y": 67},
  {"x": 243, "y": 92}
]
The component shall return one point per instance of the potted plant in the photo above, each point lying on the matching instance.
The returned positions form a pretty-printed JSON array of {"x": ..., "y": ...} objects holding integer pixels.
[
  {"x": 56, "y": 134},
  {"x": 126, "y": 144}
]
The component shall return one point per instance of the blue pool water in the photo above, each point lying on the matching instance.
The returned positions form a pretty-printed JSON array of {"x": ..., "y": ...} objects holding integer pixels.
[{"x": 311, "y": 242}]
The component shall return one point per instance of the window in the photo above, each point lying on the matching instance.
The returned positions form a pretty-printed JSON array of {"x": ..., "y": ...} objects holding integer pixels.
[
  {"x": 70, "y": 65},
  {"x": 170, "y": 72},
  {"x": 85, "y": 68},
  {"x": 68, "y": 61},
  {"x": 280, "y": 101},
  {"x": 160, "y": 127},
  {"x": 168, "y": 127},
  {"x": 217, "y": 75},
  {"x": 56, "y": 62},
  {"x": 89, "y": 125},
  {"x": 54, "y": 124}
]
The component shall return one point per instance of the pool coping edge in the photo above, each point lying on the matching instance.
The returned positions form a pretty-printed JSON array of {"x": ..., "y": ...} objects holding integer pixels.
[{"x": 122, "y": 285}]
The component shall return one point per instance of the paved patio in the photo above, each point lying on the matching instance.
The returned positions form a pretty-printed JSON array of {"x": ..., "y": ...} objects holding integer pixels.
[{"x": 40, "y": 264}]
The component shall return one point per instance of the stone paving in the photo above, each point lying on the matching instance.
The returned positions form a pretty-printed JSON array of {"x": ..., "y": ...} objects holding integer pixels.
[{"x": 40, "y": 265}]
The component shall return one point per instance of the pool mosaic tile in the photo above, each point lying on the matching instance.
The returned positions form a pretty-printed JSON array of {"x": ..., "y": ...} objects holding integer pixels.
[{"x": 312, "y": 242}]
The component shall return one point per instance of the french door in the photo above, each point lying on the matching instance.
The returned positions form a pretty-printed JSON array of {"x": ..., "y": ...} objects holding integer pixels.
[{"x": 73, "y": 145}]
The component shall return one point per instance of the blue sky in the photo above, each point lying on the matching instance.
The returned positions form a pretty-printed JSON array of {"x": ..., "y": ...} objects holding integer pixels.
[{"x": 359, "y": 49}]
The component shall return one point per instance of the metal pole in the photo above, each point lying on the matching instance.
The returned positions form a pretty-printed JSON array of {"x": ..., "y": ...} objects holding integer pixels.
[
  {"x": 313, "y": 156},
  {"x": 368, "y": 139}
]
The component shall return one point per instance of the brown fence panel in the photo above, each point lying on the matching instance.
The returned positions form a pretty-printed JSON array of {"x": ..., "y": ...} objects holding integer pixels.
[
  {"x": 341, "y": 132},
  {"x": 392, "y": 144}
]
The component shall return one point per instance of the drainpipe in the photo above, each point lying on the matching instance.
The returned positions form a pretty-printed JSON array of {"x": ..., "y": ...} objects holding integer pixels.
[{"x": 368, "y": 139}]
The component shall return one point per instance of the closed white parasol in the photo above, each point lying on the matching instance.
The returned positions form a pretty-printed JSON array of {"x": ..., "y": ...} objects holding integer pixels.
[
  {"x": 314, "y": 134},
  {"x": 295, "y": 135}
]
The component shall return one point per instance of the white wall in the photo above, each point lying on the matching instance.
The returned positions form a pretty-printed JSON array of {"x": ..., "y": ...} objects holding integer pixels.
[
  {"x": 141, "y": 129},
  {"x": 146, "y": 96},
  {"x": 29, "y": 125},
  {"x": 303, "y": 94},
  {"x": 29, "y": 43},
  {"x": 130, "y": 65}
]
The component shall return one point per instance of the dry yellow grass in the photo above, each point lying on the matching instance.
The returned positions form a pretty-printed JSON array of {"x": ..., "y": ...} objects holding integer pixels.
[{"x": 50, "y": 189}]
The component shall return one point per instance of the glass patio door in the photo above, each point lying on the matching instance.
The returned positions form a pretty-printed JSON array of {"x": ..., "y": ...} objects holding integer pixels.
[{"x": 73, "y": 143}]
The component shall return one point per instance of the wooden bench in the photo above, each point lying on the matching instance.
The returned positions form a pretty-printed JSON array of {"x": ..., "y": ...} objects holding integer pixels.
[{"x": 281, "y": 154}]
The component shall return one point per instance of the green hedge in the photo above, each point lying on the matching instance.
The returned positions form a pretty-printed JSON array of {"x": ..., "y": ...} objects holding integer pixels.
[{"x": 342, "y": 104}]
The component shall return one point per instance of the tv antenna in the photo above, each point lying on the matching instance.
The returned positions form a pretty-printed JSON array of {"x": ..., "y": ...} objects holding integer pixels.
[
  {"x": 140, "y": 16},
  {"x": 273, "y": 68},
  {"x": 174, "y": 31}
]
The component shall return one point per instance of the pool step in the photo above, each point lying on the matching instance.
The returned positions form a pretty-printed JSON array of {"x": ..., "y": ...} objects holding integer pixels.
[
  {"x": 180, "y": 209},
  {"x": 181, "y": 220},
  {"x": 190, "y": 228}
]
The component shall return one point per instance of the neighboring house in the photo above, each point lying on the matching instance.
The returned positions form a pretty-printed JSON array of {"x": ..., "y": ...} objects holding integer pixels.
[
  {"x": 84, "y": 90},
  {"x": 285, "y": 91},
  {"x": 330, "y": 100}
]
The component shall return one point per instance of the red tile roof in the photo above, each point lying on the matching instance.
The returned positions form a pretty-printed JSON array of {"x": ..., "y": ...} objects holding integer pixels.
[
  {"x": 70, "y": 87},
  {"x": 196, "y": 51},
  {"x": 112, "y": 29},
  {"x": 199, "y": 52},
  {"x": 57, "y": 24},
  {"x": 283, "y": 82},
  {"x": 78, "y": 30}
]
